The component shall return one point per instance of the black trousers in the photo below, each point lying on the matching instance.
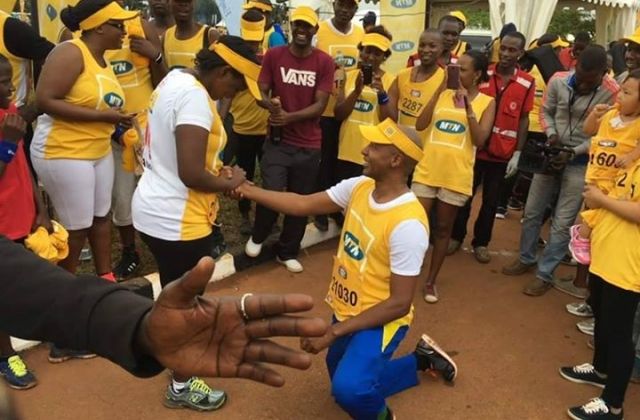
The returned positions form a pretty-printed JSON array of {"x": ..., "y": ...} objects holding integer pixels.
[
  {"x": 329, "y": 153},
  {"x": 248, "y": 151},
  {"x": 174, "y": 258},
  {"x": 346, "y": 170},
  {"x": 490, "y": 175},
  {"x": 614, "y": 311},
  {"x": 285, "y": 168}
]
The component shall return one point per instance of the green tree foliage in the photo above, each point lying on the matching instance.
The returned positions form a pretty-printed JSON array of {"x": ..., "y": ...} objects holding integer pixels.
[
  {"x": 571, "y": 21},
  {"x": 477, "y": 18}
]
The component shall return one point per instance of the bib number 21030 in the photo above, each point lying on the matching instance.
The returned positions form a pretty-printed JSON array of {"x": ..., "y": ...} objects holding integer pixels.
[{"x": 342, "y": 293}]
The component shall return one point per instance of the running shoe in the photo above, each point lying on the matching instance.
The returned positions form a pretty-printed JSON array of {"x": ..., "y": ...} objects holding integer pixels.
[
  {"x": 431, "y": 293},
  {"x": 196, "y": 395},
  {"x": 128, "y": 265},
  {"x": 85, "y": 254},
  {"x": 58, "y": 355},
  {"x": 581, "y": 309},
  {"x": 16, "y": 373},
  {"x": 595, "y": 409},
  {"x": 501, "y": 213},
  {"x": 583, "y": 374},
  {"x": 579, "y": 247},
  {"x": 587, "y": 326},
  {"x": 437, "y": 359}
]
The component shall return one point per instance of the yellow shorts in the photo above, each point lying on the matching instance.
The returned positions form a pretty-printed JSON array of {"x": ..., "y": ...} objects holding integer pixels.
[{"x": 447, "y": 196}]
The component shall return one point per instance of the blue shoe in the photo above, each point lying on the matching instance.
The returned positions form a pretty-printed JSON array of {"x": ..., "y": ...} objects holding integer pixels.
[{"x": 16, "y": 374}]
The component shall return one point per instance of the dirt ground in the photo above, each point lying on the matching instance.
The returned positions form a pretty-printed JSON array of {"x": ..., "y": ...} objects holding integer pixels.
[{"x": 508, "y": 347}]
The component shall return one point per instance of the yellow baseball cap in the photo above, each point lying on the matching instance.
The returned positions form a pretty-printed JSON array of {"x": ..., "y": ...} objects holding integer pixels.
[
  {"x": 112, "y": 11},
  {"x": 247, "y": 68},
  {"x": 258, "y": 5},
  {"x": 388, "y": 132},
  {"x": 252, "y": 31},
  {"x": 459, "y": 15},
  {"x": 559, "y": 43},
  {"x": 305, "y": 14},
  {"x": 381, "y": 42},
  {"x": 635, "y": 38}
]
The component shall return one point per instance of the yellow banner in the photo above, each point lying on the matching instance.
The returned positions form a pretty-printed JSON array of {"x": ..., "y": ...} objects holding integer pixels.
[
  {"x": 405, "y": 20},
  {"x": 7, "y": 5},
  {"x": 49, "y": 17}
]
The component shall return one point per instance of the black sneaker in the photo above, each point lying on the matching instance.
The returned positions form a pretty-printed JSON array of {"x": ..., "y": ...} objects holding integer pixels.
[
  {"x": 501, "y": 213},
  {"x": 515, "y": 204},
  {"x": 58, "y": 355},
  {"x": 583, "y": 374},
  {"x": 596, "y": 409},
  {"x": 127, "y": 266},
  {"x": 438, "y": 360}
]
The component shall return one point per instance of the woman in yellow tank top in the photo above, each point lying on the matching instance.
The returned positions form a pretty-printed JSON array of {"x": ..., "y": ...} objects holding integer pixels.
[
  {"x": 357, "y": 104},
  {"x": 414, "y": 87},
  {"x": 457, "y": 122},
  {"x": 71, "y": 150},
  {"x": 182, "y": 42}
]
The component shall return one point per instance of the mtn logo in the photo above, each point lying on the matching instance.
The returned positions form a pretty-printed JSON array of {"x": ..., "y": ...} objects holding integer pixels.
[
  {"x": 113, "y": 100},
  {"x": 451, "y": 127},
  {"x": 121, "y": 67},
  {"x": 403, "y": 4},
  {"x": 402, "y": 46},
  {"x": 363, "y": 106},
  {"x": 352, "y": 246}
]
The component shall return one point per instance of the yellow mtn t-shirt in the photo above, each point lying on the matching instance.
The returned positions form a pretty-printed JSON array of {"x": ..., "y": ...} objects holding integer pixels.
[
  {"x": 181, "y": 53},
  {"x": 19, "y": 67},
  {"x": 414, "y": 96},
  {"x": 338, "y": 44},
  {"x": 615, "y": 249},
  {"x": 365, "y": 112},
  {"x": 449, "y": 152}
]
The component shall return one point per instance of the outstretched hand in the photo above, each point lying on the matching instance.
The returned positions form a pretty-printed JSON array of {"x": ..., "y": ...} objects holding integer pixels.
[{"x": 209, "y": 336}]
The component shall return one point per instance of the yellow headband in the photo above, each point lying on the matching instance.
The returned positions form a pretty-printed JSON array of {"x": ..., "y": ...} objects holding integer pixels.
[
  {"x": 258, "y": 5},
  {"x": 388, "y": 132},
  {"x": 111, "y": 11},
  {"x": 381, "y": 42},
  {"x": 247, "y": 68},
  {"x": 252, "y": 31}
]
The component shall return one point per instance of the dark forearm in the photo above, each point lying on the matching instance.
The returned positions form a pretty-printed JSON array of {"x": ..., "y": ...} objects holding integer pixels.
[
  {"x": 60, "y": 108},
  {"x": 282, "y": 202},
  {"x": 205, "y": 181},
  {"x": 344, "y": 106},
  {"x": 74, "y": 312},
  {"x": 158, "y": 71},
  {"x": 313, "y": 111}
]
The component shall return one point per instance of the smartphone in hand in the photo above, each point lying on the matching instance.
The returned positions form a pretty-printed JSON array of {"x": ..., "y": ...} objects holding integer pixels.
[
  {"x": 367, "y": 73},
  {"x": 453, "y": 76}
]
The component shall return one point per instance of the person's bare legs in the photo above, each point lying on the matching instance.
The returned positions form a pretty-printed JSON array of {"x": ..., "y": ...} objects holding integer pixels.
[
  {"x": 127, "y": 236},
  {"x": 77, "y": 238},
  {"x": 445, "y": 218},
  {"x": 100, "y": 240}
]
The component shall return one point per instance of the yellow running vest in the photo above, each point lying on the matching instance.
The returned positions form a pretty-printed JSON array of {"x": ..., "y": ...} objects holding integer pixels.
[
  {"x": 19, "y": 67},
  {"x": 132, "y": 72},
  {"x": 615, "y": 254},
  {"x": 534, "y": 115},
  {"x": 613, "y": 140},
  {"x": 181, "y": 53},
  {"x": 361, "y": 275},
  {"x": 449, "y": 153},
  {"x": 414, "y": 96},
  {"x": 337, "y": 44},
  {"x": 365, "y": 112},
  {"x": 96, "y": 88}
]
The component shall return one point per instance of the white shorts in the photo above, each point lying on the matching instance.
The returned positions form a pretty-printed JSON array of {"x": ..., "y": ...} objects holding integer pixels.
[
  {"x": 79, "y": 189},
  {"x": 446, "y": 196},
  {"x": 124, "y": 185}
]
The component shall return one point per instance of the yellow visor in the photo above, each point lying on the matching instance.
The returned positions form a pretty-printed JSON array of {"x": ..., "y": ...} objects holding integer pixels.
[
  {"x": 305, "y": 14},
  {"x": 111, "y": 11},
  {"x": 247, "y": 68},
  {"x": 459, "y": 15},
  {"x": 258, "y": 5},
  {"x": 635, "y": 38},
  {"x": 559, "y": 43},
  {"x": 252, "y": 31},
  {"x": 381, "y": 42},
  {"x": 388, "y": 132}
]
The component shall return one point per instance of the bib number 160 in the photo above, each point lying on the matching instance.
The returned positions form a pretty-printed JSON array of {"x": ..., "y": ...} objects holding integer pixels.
[{"x": 349, "y": 297}]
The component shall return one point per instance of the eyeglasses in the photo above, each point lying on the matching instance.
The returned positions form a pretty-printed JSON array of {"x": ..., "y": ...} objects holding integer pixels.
[{"x": 117, "y": 25}]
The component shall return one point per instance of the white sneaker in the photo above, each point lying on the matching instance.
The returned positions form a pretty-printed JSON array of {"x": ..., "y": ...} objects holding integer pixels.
[
  {"x": 580, "y": 309},
  {"x": 252, "y": 249},
  {"x": 587, "y": 326},
  {"x": 292, "y": 265}
]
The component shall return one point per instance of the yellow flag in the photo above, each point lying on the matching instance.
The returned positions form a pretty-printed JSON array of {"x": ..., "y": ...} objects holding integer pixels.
[
  {"x": 405, "y": 20},
  {"x": 7, "y": 5},
  {"x": 49, "y": 17}
]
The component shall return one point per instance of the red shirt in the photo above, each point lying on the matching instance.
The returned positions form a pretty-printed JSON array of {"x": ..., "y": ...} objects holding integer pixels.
[
  {"x": 513, "y": 100},
  {"x": 17, "y": 206},
  {"x": 296, "y": 80},
  {"x": 567, "y": 59}
]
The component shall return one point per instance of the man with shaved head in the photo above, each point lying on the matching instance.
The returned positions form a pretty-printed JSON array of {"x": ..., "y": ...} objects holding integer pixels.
[{"x": 382, "y": 246}]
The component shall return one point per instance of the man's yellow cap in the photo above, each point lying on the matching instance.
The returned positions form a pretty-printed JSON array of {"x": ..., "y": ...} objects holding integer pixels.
[
  {"x": 305, "y": 14},
  {"x": 388, "y": 132}
]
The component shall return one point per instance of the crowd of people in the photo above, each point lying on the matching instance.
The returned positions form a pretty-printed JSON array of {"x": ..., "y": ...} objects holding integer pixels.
[{"x": 143, "y": 124}]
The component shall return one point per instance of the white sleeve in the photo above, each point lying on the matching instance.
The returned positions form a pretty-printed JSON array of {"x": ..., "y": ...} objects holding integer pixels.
[
  {"x": 407, "y": 246},
  {"x": 341, "y": 192},
  {"x": 192, "y": 108}
]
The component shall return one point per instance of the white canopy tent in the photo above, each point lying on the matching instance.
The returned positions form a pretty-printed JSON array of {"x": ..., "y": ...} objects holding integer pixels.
[{"x": 614, "y": 18}]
